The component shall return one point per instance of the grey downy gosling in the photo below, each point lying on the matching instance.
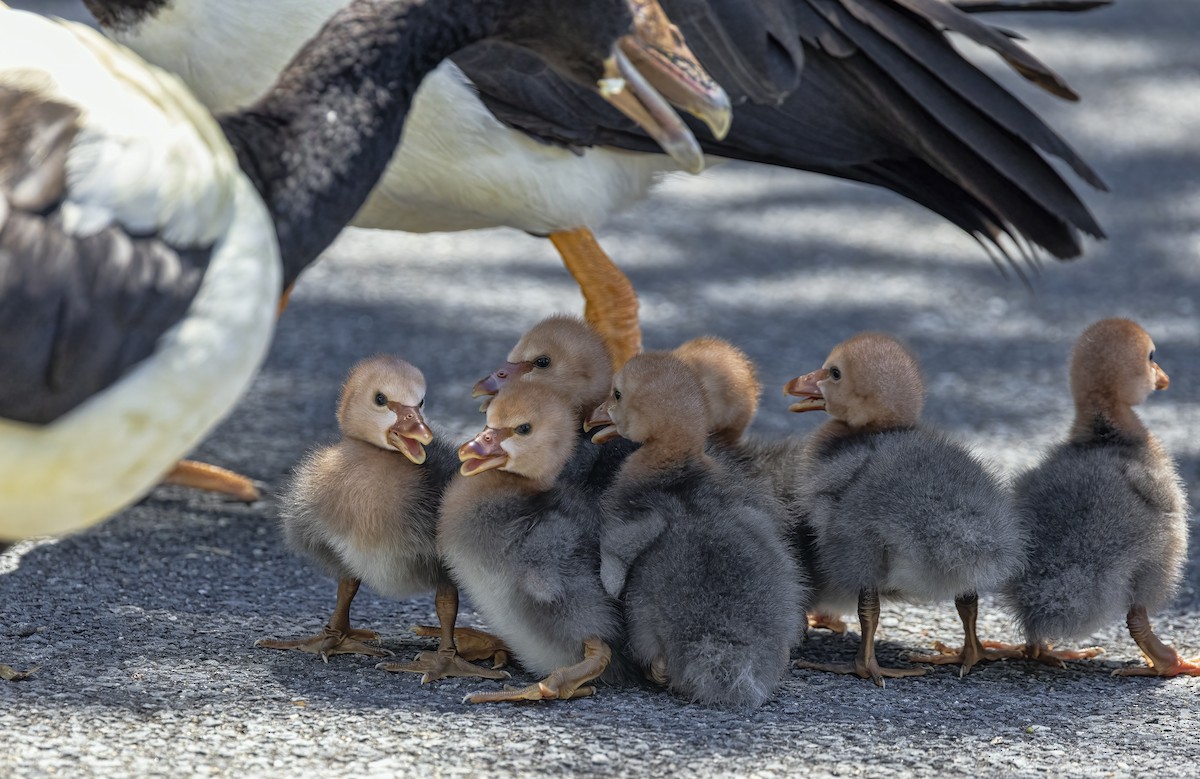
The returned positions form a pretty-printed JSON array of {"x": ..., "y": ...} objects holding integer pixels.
[{"x": 896, "y": 510}]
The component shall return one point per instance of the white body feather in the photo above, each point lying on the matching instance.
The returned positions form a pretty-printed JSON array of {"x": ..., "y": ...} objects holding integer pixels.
[
  {"x": 457, "y": 167},
  {"x": 151, "y": 159}
]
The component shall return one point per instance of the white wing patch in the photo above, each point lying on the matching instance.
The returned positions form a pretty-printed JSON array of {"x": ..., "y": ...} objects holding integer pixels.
[{"x": 148, "y": 156}]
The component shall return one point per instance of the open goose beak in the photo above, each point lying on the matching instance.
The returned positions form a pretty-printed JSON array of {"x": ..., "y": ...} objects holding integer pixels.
[
  {"x": 600, "y": 419},
  {"x": 806, "y": 387},
  {"x": 483, "y": 452},
  {"x": 409, "y": 432},
  {"x": 659, "y": 52},
  {"x": 625, "y": 88}
]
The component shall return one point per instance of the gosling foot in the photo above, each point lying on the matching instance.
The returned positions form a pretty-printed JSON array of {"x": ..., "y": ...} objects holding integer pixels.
[
  {"x": 544, "y": 690},
  {"x": 441, "y": 664},
  {"x": 1166, "y": 670},
  {"x": 1044, "y": 654},
  {"x": 331, "y": 642},
  {"x": 473, "y": 645},
  {"x": 563, "y": 684},
  {"x": 868, "y": 669},
  {"x": 827, "y": 622},
  {"x": 964, "y": 657}
]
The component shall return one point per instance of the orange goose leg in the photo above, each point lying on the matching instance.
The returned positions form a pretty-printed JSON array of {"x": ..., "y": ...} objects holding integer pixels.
[
  {"x": 213, "y": 478},
  {"x": 446, "y": 661},
  {"x": 610, "y": 302}
]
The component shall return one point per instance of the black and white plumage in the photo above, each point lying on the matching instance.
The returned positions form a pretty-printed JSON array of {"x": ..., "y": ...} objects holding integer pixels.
[
  {"x": 1105, "y": 509},
  {"x": 868, "y": 90},
  {"x": 138, "y": 274},
  {"x": 889, "y": 509},
  {"x": 169, "y": 258},
  {"x": 523, "y": 542},
  {"x": 712, "y": 601}
]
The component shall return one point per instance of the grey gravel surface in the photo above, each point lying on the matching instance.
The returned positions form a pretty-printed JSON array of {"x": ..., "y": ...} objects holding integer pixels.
[{"x": 143, "y": 628}]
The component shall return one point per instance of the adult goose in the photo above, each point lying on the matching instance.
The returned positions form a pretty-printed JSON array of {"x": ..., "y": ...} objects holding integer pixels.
[
  {"x": 867, "y": 90},
  {"x": 143, "y": 244}
]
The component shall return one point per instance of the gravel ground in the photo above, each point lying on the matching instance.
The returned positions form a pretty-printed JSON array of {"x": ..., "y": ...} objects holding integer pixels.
[{"x": 143, "y": 628}]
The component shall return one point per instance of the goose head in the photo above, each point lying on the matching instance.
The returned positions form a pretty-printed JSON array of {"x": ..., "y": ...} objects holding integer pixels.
[
  {"x": 381, "y": 404},
  {"x": 627, "y": 51},
  {"x": 869, "y": 381}
]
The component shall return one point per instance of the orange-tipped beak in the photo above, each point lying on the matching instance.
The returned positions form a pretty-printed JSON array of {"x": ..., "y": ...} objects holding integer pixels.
[
  {"x": 600, "y": 419},
  {"x": 483, "y": 452},
  {"x": 491, "y": 384},
  {"x": 409, "y": 432},
  {"x": 1161, "y": 379},
  {"x": 806, "y": 387}
]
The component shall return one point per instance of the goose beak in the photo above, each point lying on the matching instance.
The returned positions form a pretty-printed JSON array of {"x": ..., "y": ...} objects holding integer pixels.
[
  {"x": 491, "y": 384},
  {"x": 659, "y": 52},
  {"x": 600, "y": 419},
  {"x": 483, "y": 453},
  {"x": 1161, "y": 379},
  {"x": 408, "y": 434},
  {"x": 806, "y": 387},
  {"x": 629, "y": 92}
]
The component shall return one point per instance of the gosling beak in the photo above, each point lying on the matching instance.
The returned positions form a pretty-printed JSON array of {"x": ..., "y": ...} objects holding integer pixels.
[
  {"x": 806, "y": 387},
  {"x": 409, "y": 432},
  {"x": 483, "y": 452},
  {"x": 659, "y": 52},
  {"x": 600, "y": 419},
  {"x": 1161, "y": 379},
  {"x": 629, "y": 92},
  {"x": 491, "y": 384}
]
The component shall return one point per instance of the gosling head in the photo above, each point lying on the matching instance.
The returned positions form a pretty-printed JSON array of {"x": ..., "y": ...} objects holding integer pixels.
[
  {"x": 729, "y": 382},
  {"x": 531, "y": 432},
  {"x": 562, "y": 352},
  {"x": 381, "y": 404},
  {"x": 656, "y": 400},
  {"x": 1113, "y": 367},
  {"x": 868, "y": 382}
]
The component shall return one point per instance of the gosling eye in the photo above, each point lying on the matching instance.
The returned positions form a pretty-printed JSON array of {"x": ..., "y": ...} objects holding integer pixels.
[
  {"x": 380, "y": 399},
  {"x": 524, "y": 429},
  {"x": 835, "y": 373},
  {"x": 1152, "y": 356},
  {"x": 421, "y": 404},
  {"x": 542, "y": 362},
  {"x": 616, "y": 394}
]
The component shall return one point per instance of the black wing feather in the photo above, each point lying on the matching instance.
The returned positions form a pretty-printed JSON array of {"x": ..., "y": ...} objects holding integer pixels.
[
  {"x": 77, "y": 312},
  {"x": 884, "y": 99}
]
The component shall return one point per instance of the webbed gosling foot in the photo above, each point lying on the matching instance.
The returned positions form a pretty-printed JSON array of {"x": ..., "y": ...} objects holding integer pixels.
[
  {"x": 563, "y": 684},
  {"x": 473, "y": 645},
  {"x": 331, "y": 642},
  {"x": 441, "y": 664}
]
